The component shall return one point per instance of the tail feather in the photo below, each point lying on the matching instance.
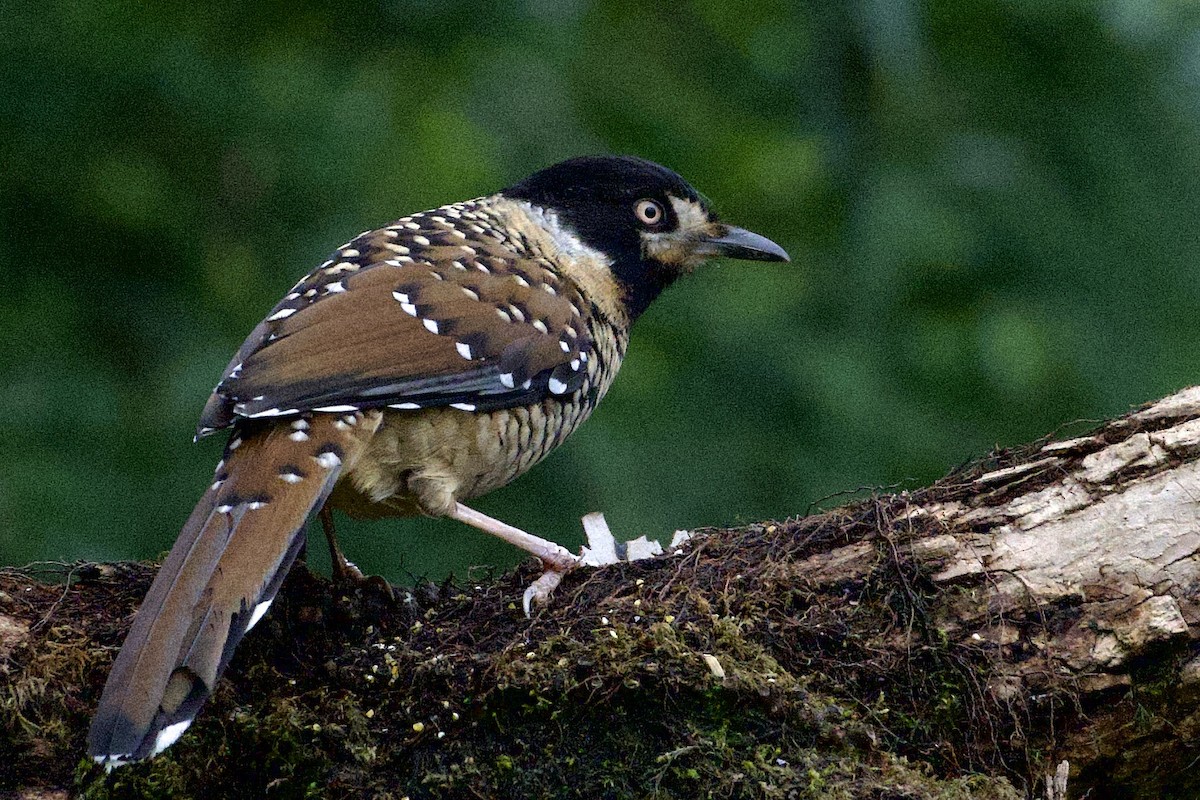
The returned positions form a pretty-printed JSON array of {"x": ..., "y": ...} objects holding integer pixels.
[{"x": 220, "y": 577}]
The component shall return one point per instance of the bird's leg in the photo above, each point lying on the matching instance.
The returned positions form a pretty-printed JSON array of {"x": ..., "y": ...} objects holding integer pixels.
[
  {"x": 344, "y": 571},
  {"x": 557, "y": 559}
]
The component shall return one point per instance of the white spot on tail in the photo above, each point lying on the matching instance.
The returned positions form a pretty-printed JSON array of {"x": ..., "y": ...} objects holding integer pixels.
[
  {"x": 169, "y": 736},
  {"x": 259, "y": 611},
  {"x": 111, "y": 762},
  {"x": 405, "y": 406},
  {"x": 336, "y": 409}
]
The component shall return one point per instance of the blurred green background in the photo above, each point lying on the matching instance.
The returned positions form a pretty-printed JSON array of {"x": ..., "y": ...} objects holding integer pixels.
[{"x": 991, "y": 209}]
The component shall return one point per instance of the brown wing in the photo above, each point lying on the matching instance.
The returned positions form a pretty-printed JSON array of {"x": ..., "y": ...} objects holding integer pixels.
[{"x": 433, "y": 310}]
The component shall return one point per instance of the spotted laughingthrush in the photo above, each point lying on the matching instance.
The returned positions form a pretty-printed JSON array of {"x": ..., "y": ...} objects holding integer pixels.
[{"x": 426, "y": 363}]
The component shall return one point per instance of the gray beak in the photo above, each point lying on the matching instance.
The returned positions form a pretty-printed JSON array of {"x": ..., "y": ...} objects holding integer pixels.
[{"x": 746, "y": 245}]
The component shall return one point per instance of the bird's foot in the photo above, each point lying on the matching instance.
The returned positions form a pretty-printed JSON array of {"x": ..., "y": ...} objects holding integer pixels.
[
  {"x": 347, "y": 575},
  {"x": 540, "y": 590}
]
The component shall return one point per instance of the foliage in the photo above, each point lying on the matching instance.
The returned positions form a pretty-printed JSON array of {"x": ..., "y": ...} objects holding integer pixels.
[{"x": 991, "y": 208}]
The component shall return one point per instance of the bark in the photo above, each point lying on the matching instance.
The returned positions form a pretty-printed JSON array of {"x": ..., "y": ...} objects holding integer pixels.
[{"x": 1025, "y": 627}]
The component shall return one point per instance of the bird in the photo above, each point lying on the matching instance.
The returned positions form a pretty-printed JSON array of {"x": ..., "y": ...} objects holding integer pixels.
[{"x": 425, "y": 363}]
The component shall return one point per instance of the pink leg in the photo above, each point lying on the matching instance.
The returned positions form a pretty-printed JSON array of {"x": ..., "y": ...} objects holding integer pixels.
[{"x": 556, "y": 558}]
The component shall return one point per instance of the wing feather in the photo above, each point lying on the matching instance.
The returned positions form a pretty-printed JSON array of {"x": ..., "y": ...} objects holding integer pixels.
[{"x": 412, "y": 317}]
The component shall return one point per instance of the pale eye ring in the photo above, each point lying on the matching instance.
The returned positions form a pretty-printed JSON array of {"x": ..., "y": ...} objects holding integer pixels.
[{"x": 649, "y": 211}]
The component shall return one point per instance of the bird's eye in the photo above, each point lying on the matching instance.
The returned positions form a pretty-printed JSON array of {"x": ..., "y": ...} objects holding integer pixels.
[{"x": 649, "y": 211}]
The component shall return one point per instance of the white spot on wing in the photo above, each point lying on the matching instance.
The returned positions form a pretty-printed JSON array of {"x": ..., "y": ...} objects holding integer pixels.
[
  {"x": 408, "y": 308},
  {"x": 463, "y": 349},
  {"x": 298, "y": 436},
  {"x": 506, "y": 378},
  {"x": 336, "y": 409},
  {"x": 328, "y": 460},
  {"x": 557, "y": 386},
  {"x": 290, "y": 477},
  {"x": 430, "y": 325},
  {"x": 272, "y": 412},
  {"x": 541, "y": 326},
  {"x": 335, "y": 287},
  {"x": 463, "y": 406},
  {"x": 282, "y": 313},
  {"x": 405, "y": 406},
  {"x": 169, "y": 736}
]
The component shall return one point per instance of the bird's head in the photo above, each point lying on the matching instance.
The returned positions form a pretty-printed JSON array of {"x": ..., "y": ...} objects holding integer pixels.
[{"x": 647, "y": 222}]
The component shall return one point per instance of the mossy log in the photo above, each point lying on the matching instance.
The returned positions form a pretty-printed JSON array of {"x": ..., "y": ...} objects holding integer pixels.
[{"x": 1025, "y": 627}]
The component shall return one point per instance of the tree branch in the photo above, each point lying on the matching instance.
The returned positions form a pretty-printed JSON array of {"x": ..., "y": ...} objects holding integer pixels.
[{"x": 963, "y": 640}]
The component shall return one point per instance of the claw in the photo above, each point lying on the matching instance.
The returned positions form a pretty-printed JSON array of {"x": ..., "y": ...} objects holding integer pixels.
[
  {"x": 539, "y": 591},
  {"x": 346, "y": 573}
]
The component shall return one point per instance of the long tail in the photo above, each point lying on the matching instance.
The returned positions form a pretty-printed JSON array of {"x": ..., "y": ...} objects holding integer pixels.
[{"x": 220, "y": 577}]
